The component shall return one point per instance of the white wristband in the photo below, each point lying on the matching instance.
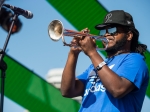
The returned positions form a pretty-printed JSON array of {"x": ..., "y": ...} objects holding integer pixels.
[{"x": 100, "y": 66}]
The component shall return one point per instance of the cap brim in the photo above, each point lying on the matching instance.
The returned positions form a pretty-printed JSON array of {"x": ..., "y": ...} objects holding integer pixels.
[{"x": 101, "y": 26}]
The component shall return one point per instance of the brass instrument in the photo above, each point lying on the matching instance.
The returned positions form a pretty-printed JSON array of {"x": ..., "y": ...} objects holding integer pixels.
[{"x": 57, "y": 31}]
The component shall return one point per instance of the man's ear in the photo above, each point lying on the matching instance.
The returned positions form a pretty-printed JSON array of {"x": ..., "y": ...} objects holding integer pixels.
[{"x": 129, "y": 36}]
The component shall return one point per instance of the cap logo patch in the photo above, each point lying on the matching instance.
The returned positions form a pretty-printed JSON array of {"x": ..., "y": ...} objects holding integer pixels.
[{"x": 107, "y": 19}]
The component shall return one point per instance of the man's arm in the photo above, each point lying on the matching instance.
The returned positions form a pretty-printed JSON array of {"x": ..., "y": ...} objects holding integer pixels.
[
  {"x": 116, "y": 85},
  {"x": 70, "y": 86}
]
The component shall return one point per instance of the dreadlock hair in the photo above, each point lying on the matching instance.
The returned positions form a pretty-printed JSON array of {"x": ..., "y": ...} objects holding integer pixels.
[{"x": 135, "y": 46}]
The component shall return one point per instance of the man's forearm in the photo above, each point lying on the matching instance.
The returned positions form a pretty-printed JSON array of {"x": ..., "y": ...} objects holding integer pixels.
[{"x": 68, "y": 76}]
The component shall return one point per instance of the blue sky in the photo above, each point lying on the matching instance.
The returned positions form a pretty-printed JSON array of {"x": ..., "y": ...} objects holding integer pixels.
[{"x": 33, "y": 48}]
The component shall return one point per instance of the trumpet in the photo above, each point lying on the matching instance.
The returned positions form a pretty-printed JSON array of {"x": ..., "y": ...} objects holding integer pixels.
[{"x": 57, "y": 31}]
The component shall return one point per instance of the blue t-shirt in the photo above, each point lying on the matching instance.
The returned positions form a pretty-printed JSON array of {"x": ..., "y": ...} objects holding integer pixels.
[{"x": 97, "y": 99}]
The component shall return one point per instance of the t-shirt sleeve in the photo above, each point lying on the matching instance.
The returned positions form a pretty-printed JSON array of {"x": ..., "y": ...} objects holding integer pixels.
[
  {"x": 83, "y": 77},
  {"x": 134, "y": 69}
]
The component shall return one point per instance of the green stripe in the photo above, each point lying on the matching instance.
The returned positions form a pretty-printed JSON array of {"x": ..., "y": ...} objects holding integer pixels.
[
  {"x": 86, "y": 13},
  {"x": 147, "y": 55},
  {"x": 80, "y": 14},
  {"x": 32, "y": 92}
]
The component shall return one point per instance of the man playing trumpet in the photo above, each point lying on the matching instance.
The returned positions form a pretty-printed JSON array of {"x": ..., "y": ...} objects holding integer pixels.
[{"x": 117, "y": 84}]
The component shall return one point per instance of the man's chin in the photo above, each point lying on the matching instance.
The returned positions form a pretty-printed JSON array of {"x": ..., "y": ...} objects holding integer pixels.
[{"x": 111, "y": 50}]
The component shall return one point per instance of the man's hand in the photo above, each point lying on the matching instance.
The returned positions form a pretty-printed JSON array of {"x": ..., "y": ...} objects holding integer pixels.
[
  {"x": 87, "y": 43},
  {"x": 75, "y": 48}
]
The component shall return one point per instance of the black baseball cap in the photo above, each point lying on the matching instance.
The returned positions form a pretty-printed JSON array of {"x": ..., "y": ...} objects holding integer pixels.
[{"x": 119, "y": 17}]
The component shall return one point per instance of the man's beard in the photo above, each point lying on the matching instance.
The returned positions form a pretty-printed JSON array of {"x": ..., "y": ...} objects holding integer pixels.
[{"x": 117, "y": 47}]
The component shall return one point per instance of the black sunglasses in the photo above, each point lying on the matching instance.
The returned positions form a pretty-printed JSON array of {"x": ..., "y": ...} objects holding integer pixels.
[{"x": 110, "y": 30}]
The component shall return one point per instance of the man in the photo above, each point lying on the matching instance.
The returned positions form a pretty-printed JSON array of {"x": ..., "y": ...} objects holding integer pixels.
[{"x": 117, "y": 84}]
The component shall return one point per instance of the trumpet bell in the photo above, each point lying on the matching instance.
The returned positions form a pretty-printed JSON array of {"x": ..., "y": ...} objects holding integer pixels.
[{"x": 55, "y": 30}]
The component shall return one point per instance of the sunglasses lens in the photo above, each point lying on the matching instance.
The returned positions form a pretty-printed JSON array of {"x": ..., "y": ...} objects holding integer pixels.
[
  {"x": 103, "y": 32},
  {"x": 110, "y": 31}
]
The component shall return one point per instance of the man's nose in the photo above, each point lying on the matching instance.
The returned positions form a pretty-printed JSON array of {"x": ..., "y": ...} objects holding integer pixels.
[{"x": 107, "y": 34}]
